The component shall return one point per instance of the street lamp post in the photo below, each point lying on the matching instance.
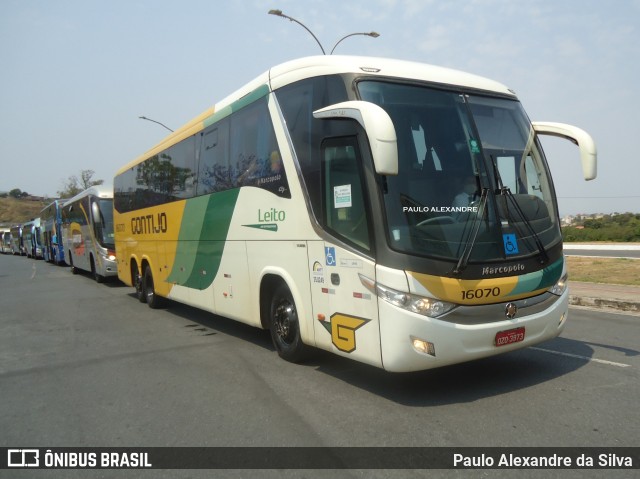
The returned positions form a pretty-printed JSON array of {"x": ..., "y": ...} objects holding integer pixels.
[
  {"x": 370, "y": 34},
  {"x": 279, "y": 13},
  {"x": 161, "y": 124}
]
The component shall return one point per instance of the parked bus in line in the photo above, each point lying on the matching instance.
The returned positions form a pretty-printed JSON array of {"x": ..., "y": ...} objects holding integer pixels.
[
  {"x": 5, "y": 240},
  {"x": 321, "y": 201},
  {"x": 87, "y": 232},
  {"x": 32, "y": 238},
  {"x": 51, "y": 223},
  {"x": 17, "y": 246}
]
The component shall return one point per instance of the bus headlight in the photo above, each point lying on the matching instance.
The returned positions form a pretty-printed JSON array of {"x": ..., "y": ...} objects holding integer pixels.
[
  {"x": 561, "y": 286},
  {"x": 110, "y": 255},
  {"x": 411, "y": 302}
]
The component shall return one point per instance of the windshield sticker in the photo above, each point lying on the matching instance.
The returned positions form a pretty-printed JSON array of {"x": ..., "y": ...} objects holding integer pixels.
[
  {"x": 342, "y": 196},
  {"x": 474, "y": 146},
  {"x": 510, "y": 243}
]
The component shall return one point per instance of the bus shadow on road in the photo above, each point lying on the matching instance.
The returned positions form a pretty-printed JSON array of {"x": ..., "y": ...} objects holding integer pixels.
[
  {"x": 465, "y": 382},
  {"x": 109, "y": 281},
  {"x": 460, "y": 383},
  {"x": 205, "y": 323}
]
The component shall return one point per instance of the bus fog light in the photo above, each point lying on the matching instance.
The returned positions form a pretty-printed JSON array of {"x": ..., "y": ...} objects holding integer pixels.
[{"x": 423, "y": 346}]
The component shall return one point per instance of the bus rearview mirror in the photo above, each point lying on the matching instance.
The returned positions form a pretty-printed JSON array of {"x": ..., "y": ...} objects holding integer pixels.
[
  {"x": 588, "y": 153},
  {"x": 379, "y": 127}
]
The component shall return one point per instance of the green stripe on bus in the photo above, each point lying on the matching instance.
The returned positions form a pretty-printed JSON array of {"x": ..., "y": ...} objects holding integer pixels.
[
  {"x": 539, "y": 279},
  {"x": 256, "y": 94},
  {"x": 206, "y": 221}
]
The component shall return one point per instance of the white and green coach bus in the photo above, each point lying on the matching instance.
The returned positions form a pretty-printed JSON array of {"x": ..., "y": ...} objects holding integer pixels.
[
  {"x": 87, "y": 232},
  {"x": 324, "y": 201}
]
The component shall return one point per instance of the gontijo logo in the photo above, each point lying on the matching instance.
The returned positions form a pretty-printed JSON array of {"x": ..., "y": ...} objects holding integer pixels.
[
  {"x": 343, "y": 330},
  {"x": 149, "y": 224}
]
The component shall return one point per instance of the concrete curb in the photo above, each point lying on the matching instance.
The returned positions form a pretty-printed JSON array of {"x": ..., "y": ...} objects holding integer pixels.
[{"x": 605, "y": 304}]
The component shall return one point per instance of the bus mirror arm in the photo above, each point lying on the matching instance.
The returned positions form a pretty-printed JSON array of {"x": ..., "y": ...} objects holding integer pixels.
[
  {"x": 378, "y": 125},
  {"x": 588, "y": 153}
]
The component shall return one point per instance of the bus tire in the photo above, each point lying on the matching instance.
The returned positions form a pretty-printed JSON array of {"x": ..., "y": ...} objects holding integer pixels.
[
  {"x": 153, "y": 300},
  {"x": 138, "y": 284},
  {"x": 98, "y": 277},
  {"x": 74, "y": 270},
  {"x": 285, "y": 327}
]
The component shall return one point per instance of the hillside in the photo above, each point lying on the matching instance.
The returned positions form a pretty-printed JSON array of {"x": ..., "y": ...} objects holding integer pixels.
[{"x": 16, "y": 211}]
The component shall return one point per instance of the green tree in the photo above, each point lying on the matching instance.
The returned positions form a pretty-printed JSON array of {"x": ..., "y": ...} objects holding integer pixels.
[
  {"x": 74, "y": 185},
  {"x": 16, "y": 193}
]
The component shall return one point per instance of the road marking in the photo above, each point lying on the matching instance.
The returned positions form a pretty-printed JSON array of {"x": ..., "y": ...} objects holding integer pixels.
[
  {"x": 601, "y": 361},
  {"x": 575, "y": 255},
  {"x": 603, "y": 247}
]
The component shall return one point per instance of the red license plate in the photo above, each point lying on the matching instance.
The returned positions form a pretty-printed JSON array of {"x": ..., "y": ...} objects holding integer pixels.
[{"x": 510, "y": 336}]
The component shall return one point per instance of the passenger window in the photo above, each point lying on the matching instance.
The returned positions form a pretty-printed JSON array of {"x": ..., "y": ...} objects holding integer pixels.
[
  {"x": 180, "y": 177},
  {"x": 214, "y": 174}
]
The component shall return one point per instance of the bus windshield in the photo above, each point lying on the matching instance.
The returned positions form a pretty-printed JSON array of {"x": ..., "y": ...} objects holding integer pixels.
[
  {"x": 472, "y": 180},
  {"x": 103, "y": 221}
]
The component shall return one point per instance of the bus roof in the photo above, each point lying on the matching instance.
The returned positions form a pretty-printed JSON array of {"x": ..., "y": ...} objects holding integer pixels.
[
  {"x": 31, "y": 222},
  {"x": 60, "y": 202},
  {"x": 309, "y": 67},
  {"x": 101, "y": 191}
]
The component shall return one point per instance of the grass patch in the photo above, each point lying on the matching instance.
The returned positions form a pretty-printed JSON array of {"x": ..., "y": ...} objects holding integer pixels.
[
  {"x": 604, "y": 270},
  {"x": 14, "y": 211}
]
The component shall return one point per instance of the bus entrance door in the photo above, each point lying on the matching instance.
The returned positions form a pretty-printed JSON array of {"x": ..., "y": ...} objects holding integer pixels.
[{"x": 345, "y": 312}]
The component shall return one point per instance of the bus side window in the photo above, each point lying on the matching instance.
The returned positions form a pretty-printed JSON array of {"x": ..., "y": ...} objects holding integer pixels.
[
  {"x": 345, "y": 212},
  {"x": 214, "y": 174},
  {"x": 181, "y": 177},
  {"x": 255, "y": 158}
]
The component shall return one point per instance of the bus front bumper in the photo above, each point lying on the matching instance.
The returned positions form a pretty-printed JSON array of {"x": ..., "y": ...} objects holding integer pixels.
[{"x": 412, "y": 342}]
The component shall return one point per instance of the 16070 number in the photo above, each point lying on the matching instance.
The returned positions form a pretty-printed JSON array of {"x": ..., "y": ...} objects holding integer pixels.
[{"x": 480, "y": 293}]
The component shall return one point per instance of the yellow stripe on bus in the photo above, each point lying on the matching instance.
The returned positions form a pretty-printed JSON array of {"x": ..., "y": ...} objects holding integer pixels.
[{"x": 473, "y": 291}]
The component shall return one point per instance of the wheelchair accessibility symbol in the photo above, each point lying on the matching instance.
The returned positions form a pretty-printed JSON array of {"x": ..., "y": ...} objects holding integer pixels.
[
  {"x": 510, "y": 243},
  {"x": 330, "y": 255}
]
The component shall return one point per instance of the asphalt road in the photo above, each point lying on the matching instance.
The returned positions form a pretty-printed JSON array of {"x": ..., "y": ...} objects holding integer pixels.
[
  {"x": 85, "y": 364},
  {"x": 622, "y": 250}
]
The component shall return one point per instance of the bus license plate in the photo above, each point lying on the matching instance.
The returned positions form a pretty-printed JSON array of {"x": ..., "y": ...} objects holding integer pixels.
[{"x": 510, "y": 336}]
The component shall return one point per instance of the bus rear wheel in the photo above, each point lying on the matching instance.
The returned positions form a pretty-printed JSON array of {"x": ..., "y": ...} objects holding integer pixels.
[
  {"x": 137, "y": 284},
  {"x": 285, "y": 327},
  {"x": 153, "y": 300}
]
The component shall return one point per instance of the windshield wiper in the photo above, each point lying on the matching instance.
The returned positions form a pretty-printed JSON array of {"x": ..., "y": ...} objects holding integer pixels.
[
  {"x": 544, "y": 257},
  {"x": 473, "y": 235},
  {"x": 506, "y": 192}
]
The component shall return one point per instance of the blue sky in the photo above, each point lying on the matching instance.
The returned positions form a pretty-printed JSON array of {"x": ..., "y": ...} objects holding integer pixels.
[{"x": 77, "y": 74}]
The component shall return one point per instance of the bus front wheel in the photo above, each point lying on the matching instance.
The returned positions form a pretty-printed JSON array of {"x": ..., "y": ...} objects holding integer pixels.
[
  {"x": 94, "y": 272},
  {"x": 285, "y": 327}
]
